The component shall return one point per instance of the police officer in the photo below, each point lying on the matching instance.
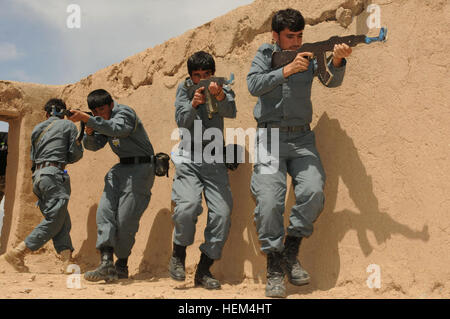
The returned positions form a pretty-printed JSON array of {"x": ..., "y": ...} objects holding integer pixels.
[
  {"x": 53, "y": 145},
  {"x": 284, "y": 104},
  {"x": 194, "y": 177},
  {"x": 128, "y": 184}
]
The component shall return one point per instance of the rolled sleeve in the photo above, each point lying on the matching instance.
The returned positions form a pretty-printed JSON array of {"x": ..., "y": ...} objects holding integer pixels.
[
  {"x": 227, "y": 107},
  {"x": 338, "y": 73},
  {"x": 94, "y": 142},
  {"x": 121, "y": 124}
]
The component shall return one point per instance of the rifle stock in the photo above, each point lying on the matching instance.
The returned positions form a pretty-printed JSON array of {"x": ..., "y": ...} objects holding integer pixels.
[{"x": 319, "y": 49}]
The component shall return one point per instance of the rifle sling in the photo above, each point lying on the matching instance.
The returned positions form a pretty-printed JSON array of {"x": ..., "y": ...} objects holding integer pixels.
[{"x": 43, "y": 132}]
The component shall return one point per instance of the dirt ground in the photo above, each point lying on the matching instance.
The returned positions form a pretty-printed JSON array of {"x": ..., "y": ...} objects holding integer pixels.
[
  {"x": 381, "y": 137},
  {"x": 45, "y": 282}
]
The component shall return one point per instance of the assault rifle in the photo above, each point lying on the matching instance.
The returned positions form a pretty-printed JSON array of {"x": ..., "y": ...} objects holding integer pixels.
[
  {"x": 211, "y": 102},
  {"x": 319, "y": 49},
  {"x": 80, "y": 136}
]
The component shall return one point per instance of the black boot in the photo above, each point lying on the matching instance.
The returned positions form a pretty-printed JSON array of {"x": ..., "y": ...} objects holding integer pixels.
[
  {"x": 122, "y": 268},
  {"x": 294, "y": 271},
  {"x": 106, "y": 271},
  {"x": 203, "y": 276},
  {"x": 275, "y": 287},
  {"x": 177, "y": 261}
]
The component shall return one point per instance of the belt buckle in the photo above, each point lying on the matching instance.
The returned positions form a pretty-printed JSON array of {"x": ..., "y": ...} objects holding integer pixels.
[{"x": 300, "y": 128}]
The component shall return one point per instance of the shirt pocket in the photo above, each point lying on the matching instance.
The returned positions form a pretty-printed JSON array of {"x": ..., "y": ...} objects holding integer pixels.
[{"x": 270, "y": 101}]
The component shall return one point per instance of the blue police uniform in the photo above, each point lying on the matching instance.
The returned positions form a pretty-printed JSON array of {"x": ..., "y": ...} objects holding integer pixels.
[
  {"x": 127, "y": 190},
  {"x": 192, "y": 177},
  {"x": 285, "y": 104},
  {"x": 50, "y": 152}
]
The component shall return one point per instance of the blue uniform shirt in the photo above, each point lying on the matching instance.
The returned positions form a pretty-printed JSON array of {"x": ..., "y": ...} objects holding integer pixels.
[
  {"x": 185, "y": 114},
  {"x": 280, "y": 100},
  {"x": 123, "y": 131},
  {"x": 58, "y": 144}
]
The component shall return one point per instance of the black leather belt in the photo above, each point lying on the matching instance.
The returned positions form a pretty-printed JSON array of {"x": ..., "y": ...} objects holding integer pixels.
[
  {"x": 55, "y": 164},
  {"x": 136, "y": 160},
  {"x": 299, "y": 128}
]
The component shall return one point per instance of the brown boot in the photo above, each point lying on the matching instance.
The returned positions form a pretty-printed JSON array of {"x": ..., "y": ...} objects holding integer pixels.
[
  {"x": 66, "y": 258},
  {"x": 15, "y": 257}
]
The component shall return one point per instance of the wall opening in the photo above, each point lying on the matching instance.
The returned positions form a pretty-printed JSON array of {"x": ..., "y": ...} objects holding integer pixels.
[
  {"x": 9, "y": 155},
  {"x": 4, "y": 126}
]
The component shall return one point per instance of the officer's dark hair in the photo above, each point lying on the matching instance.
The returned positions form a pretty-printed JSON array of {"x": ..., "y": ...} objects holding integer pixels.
[
  {"x": 98, "y": 98},
  {"x": 201, "y": 60},
  {"x": 289, "y": 18},
  {"x": 53, "y": 106}
]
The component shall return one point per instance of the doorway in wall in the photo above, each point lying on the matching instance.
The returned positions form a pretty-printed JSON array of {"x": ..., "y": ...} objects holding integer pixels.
[{"x": 9, "y": 155}]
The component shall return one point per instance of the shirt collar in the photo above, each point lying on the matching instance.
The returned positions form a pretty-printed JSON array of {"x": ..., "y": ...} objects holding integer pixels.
[
  {"x": 276, "y": 47},
  {"x": 115, "y": 108},
  {"x": 188, "y": 82}
]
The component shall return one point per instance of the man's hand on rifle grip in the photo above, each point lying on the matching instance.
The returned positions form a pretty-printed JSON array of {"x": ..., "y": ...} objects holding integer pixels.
[
  {"x": 216, "y": 90},
  {"x": 199, "y": 98},
  {"x": 299, "y": 64}
]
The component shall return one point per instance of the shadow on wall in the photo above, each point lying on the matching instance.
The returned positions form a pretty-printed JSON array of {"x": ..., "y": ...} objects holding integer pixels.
[
  {"x": 88, "y": 256},
  {"x": 156, "y": 253},
  {"x": 320, "y": 253},
  {"x": 242, "y": 246},
  {"x": 159, "y": 247}
]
